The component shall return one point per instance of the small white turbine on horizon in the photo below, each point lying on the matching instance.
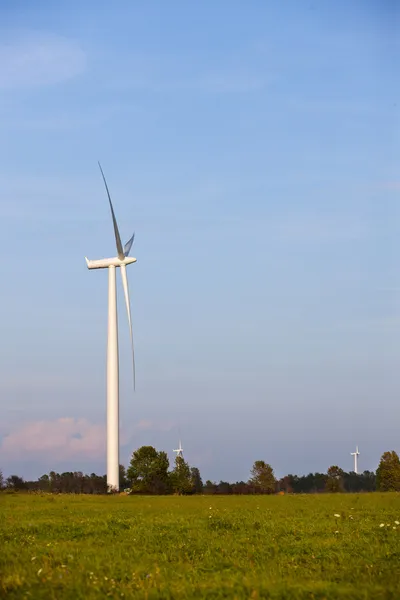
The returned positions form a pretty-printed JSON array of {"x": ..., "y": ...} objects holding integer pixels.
[
  {"x": 121, "y": 260},
  {"x": 179, "y": 451},
  {"x": 356, "y": 454}
]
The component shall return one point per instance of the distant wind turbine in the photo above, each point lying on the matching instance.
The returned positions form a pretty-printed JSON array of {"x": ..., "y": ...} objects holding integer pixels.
[
  {"x": 356, "y": 454},
  {"x": 121, "y": 260},
  {"x": 179, "y": 451}
]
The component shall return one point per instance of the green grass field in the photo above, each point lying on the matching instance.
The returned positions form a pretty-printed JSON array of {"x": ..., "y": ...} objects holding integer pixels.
[{"x": 200, "y": 547}]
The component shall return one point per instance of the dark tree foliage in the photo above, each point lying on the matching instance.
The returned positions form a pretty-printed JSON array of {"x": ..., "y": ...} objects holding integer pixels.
[
  {"x": 388, "y": 472},
  {"x": 148, "y": 471},
  {"x": 197, "y": 483},
  {"x": 123, "y": 478},
  {"x": 312, "y": 483},
  {"x": 363, "y": 482},
  {"x": 181, "y": 480},
  {"x": 315, "y": 483},
  {"x": 284, "y": 485},
  {"x": 262, "y": 478},
  {"x": 334, "y": 482},
  {"x": 210, "y": 487},
  {"x": 70, "y": 482},
  {"x": 16, "y": 483},
  {"x": 240, "y": 487},
  {"x": 224, "y": 488}
]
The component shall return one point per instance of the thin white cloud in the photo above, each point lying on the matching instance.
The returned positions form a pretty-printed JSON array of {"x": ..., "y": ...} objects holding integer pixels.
[
  {"x": 90, "y": 117},
  {"x": 62, "y": 121},
  {"x": 163, "y": 74},
  {"x": 293, "y": 228},
  {"x": 393, "y": 186},
  {"x": 45, "y": 198},
  {"x": 66, "y": 438},
  {"x": 360, "y": 108},
  {"x": 37, "y": 59},
  {"x": 380, "y": 324},
  {"x": 319, "y": 228},
  {"x": 221, "y": 82},
  {"x": 38, "y": 381},
  {"x": 148, "y": 425},
  {"x": 228, "y": 83}
]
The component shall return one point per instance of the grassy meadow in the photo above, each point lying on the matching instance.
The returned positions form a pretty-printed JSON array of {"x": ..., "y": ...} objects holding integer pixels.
[{"x": 291, "y": 547}]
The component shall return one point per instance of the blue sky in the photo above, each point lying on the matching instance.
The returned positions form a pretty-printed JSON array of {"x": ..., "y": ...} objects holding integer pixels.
[{"x": 253, "y": 147}]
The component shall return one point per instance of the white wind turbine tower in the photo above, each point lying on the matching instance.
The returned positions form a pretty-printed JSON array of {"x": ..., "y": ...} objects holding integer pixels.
[
  {"x": 179, "y": 451},
  {"x": 356, "y": 454},
  {"x": 121, "y": 260}
]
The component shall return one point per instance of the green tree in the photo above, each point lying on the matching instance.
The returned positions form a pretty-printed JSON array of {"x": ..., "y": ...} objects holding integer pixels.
[
  {"x": 54, "y": 479},
  {"x": 123, "y": 480},
  {"x": 16, "y": 483},
  {"x": 148, "y": 471},
  {"x": 334, "y": 481},
  {"x": 224, "y": 487},
  {"x": 210, "y": 487},
  {"x": 197, "y": 483},
  {"x": 44, "y": 483},
  {"x": 181, "y": 479},
  {"x": 388, "y": 472},
  {"x": 262, "y": 478}
]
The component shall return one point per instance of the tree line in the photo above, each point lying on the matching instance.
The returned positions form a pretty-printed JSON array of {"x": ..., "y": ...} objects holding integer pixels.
[{"x": 149, "y": 473}]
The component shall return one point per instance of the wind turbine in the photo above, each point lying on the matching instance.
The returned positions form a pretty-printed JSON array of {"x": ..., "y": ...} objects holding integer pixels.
[
  {"x": 356, "y": 454},
  {"x": 121, "y": 260},
  {"x": 179, "y": 451}
]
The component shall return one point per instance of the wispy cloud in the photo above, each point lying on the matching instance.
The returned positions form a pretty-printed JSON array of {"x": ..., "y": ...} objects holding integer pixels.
[
  {"x": 291, "y": 228},
  {"x": 67, "y": 438},
  {"x": 220, "y": 82},
  {"x": 151, "y": 425},
  {"x": 382, "y": 324},
  {"x": 226, "y": 82},
  {"x": 38, "y": 381},
  {"x": 393, "y": 186},
  {"x": 55, "y": 199},
  {"x": 36, "y": 59},
  {"x": 361, "y": 108},
  {"x": 162, "y": 74},
  {"x": 319, "y": 228},
  {"x": 62, "y": 121}
]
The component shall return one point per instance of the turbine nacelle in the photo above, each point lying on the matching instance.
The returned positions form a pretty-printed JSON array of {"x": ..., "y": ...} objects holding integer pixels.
[{"x": 104, "y": 263}]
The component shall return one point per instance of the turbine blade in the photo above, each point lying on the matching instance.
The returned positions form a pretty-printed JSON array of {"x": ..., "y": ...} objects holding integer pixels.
[
  {"x": 128, "y": 245},
  {"x": 120, "y": 251},
  {"x": 128, "y": 310}
]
